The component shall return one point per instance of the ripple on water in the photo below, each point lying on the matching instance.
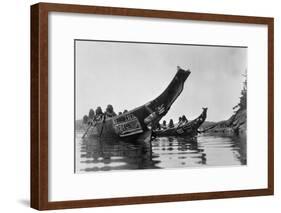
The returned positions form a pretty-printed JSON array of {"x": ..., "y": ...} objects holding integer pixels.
[{"x": 93, "y": 154}]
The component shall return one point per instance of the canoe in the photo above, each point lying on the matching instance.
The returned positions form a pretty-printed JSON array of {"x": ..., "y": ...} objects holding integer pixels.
[
  {"x": 137, "y": 124},
  {"x": 189, "y": 129}
]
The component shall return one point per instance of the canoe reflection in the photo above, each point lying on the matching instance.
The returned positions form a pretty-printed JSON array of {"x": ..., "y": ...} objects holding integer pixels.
[
  {"x": 175, "y": 152},
  {"x": 104, "y": 154},
  {"x": 94, "y": 154}
]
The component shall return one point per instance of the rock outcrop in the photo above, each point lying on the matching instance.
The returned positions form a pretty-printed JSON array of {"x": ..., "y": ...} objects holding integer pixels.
[{"x": 236, "y": 124}]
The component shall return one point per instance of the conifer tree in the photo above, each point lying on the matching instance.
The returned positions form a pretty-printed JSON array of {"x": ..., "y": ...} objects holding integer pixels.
[{"x": 243, "y": 98}]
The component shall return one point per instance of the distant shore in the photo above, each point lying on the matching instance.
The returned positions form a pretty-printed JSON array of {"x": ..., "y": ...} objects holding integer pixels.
[{"x": 236, "y": 124}]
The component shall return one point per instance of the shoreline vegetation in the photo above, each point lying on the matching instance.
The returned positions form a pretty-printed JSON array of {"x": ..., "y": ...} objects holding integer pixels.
[{"x": 236, "y": 124}]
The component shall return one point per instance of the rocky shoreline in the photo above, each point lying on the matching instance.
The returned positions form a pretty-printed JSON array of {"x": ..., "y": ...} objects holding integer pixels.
[{"x": 236, "y": 124}]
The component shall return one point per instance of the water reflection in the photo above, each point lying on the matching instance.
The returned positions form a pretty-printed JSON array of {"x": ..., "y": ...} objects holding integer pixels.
[
  {"x": 102, "y": 155},
  {"x": 93, "y": 154},
  {"x": 175, "y": 152}
]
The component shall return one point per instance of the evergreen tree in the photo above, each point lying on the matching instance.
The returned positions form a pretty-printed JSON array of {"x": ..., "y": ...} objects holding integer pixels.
[{"x": 243, "y": 98}]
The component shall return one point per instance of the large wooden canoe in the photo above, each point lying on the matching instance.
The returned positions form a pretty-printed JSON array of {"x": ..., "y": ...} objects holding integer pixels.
[
  {"x": 136, "y": 124},
  {"x": 189, "y": 129}
]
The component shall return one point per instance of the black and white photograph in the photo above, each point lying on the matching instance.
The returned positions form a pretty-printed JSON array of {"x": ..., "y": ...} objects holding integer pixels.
[{"x": 145, "y": 105}]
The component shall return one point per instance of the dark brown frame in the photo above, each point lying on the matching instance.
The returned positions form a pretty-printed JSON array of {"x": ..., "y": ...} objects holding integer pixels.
[{"x": 39, "y": 106}]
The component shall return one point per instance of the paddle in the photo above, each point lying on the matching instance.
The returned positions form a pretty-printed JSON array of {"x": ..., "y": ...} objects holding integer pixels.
[
  {"x": 86, "y": 131},
  {"x": 89, "y": 128},
  {"x": 102, "y": 125}
]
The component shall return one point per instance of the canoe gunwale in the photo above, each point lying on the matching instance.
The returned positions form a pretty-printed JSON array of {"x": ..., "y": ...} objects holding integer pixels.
[{"x": 189, "y": 129}]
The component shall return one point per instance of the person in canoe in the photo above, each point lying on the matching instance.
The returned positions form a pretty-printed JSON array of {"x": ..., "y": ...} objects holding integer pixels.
[
  {"x": 109, "y": 111},
  {"x": 186, "y": 128},
  {"x": 179, "y": 122},
  {"x": 99, "y": 113},
  {"x": 184, "y": 119},
  {"x": 171, "y": 124},
  {"x": 164, "y": 125},
  {"x": 158, "y": 126}
]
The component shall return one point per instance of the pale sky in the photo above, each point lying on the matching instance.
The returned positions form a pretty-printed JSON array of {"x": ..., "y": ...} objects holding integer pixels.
[{"x": 128, "y": 75}]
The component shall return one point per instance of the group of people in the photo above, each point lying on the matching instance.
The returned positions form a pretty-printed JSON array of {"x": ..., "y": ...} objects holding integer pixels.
[
  {"x": 98, "y": 114},
  {"x": 182, "y": 120}
]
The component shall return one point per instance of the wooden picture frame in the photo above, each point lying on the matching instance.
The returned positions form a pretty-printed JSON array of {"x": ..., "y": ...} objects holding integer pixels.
[{"x": 39, "y": 107}]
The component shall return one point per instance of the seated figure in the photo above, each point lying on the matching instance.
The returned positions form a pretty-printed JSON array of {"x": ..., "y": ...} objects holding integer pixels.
[
  {"x": 157, "y": 126},
  {"x": 164, "y": 125},
  {"x": 184, "y": 119},
  {"x": 99, "y": 113},
  {"x": 171, "y": 124},
  {"x": 179, "y": 122},
  {"x": 109, "y": 111}
]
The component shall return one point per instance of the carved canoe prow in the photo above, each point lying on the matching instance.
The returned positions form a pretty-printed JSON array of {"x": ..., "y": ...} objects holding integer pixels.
[{"x": 137, "y": 123}]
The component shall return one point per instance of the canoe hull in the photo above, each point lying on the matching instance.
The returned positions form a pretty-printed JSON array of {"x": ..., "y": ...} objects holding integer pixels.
[
  {"x": 176, "y": 132},
  {"x": 189, "y": 129},
  {"x": 136, "y": 124},
  {"x": 129, "y": 130}
]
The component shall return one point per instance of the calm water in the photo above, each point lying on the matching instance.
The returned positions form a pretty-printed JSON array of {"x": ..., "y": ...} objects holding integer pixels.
[{"x": 167, "y": 152}]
